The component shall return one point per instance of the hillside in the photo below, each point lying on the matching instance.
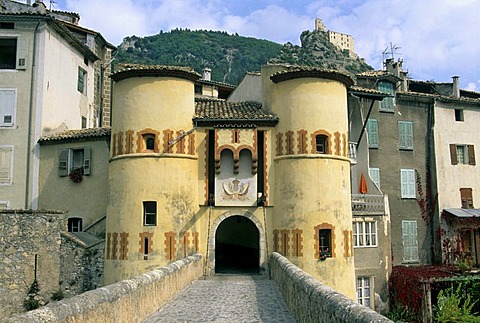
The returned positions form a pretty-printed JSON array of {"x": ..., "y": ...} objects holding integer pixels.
[{"x": 230, "y": 56}]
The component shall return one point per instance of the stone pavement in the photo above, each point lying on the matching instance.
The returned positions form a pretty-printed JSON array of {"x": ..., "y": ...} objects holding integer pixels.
[{"x": 226, "y": 298}]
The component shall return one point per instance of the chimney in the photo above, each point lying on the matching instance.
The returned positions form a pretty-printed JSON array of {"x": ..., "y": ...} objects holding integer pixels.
[
  {"x": 455, "y": 89},
  {"x": 206, "y": 74}
]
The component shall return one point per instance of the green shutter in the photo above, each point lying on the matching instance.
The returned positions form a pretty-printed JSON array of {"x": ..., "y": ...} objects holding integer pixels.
[
  {"x": 401, "y": 134},
  {"x": 63, "y": 163},
  {"x": 409, "y": 134},
  {"x": 372, "y": 132},
  {"x": 86, "y": 161}
]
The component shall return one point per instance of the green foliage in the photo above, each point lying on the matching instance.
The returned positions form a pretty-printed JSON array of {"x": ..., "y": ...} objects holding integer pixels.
[
  {"x": 454, "y": 306},
  {"x": 229, "y": 56},
  {"x": 58, "y": 295},
  {"x": 401, "y": 313},
  {"x": 32, "y": 301}
]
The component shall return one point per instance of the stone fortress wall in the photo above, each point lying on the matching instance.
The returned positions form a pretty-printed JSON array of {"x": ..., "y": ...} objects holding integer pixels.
[{"x": 35, "y": 244}]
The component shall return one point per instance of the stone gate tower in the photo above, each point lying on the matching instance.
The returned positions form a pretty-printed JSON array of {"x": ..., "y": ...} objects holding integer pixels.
[
  {"x": 153, "y": 171},
  {"x": 312, "y": 216}
]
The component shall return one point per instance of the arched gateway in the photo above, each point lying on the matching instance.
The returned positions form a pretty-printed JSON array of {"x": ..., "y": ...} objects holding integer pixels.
[{"x": 238, "y": 244}]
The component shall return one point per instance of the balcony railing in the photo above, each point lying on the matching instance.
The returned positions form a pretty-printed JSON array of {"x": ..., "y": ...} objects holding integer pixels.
[
  {"x": 352, "y": 152},
  {"x": 368, "y": 204}
]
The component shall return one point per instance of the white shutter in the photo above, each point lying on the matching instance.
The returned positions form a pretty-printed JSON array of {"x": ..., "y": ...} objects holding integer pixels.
[
  {"x": 6, "y": 164},
  {"x": 409, "y": 134},
  {"x": 375, "y": 175},
  {"x": 22, "y": 51},
  {"x": 7, "y": 107}
]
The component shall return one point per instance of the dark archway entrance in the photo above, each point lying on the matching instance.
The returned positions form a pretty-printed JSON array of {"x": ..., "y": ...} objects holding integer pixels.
[{"x": 237, "y": 246}]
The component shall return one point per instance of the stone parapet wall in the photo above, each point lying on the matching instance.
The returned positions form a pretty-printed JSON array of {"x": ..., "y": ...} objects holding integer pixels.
[
  {"x": 30, "y": 245},
  {"x": 126, "y": 301},
  {"x": 311, "y": 301}
]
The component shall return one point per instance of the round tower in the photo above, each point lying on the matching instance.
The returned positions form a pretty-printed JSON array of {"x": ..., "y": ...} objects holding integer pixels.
[
  {"x": 153, "y": 170},
  {"x": 313, "y": 217}
]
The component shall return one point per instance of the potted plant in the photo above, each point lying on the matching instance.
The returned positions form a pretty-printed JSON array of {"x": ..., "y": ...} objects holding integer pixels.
[
  {"x": 76, "y": 175},
  {"x": 324, "y": 254}
]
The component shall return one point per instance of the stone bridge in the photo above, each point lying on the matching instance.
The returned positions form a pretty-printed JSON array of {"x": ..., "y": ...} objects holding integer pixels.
[{"x": 179, "y": 292}]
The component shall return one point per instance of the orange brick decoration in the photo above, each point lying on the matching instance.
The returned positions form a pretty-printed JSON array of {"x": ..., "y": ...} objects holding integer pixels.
[
  {"x": 180, "y": 143},
  {"x": 114, "y": 245},
  {"x": 191, "y": 144},
  {"x": 302, "y": 141},
  {"x": 289, "y": 141},
  {"x": 297, "y": 239},
  {"x": 186, "y": 242},
  {"x": 285, "y": 245},
  {"x": 275, "y": 241},
  {"x": 337, "y": 143},
  {"x": 167, "y": 136},
  {"x": 279, "y": 144},
  {"x": 146, "y": 243},
  {"x": 348, "y": 243},
  {"x": 196, "y": 241},
  {"x": 120, "y": 143},
  {"x": 129, "y": 142},
  {"x": 170, "y": 245},
  {"x": 123, "y": 246},
  {"x": 109, "y": 237}
]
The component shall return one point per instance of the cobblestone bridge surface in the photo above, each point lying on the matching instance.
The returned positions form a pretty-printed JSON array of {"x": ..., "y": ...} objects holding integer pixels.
[{"x": 226, "y": 298}]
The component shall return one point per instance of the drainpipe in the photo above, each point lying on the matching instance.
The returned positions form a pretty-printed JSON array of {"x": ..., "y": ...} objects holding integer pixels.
[{"x": 30, "y": 114}]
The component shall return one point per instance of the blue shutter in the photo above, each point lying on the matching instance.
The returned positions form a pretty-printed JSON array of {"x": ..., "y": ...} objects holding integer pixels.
[
  {"x": 401, "y": 134},
  {"x": 375, "y": 175},
  {"x": 86, "y": 161},
  {"x": 63, "y": 163}
]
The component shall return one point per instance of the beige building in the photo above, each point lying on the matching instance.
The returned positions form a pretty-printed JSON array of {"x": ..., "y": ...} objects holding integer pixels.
[
  {"x": 342, "y": 41},
  {"x": 47, "y": 85}
]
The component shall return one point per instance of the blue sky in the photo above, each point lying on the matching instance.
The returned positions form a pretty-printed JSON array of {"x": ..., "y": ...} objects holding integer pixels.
[{"x": 438, "y": 38}]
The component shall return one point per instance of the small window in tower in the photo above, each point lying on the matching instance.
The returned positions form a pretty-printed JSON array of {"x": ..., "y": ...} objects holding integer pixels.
[
  {"x": 145, "y": 248},
  {"x": 149, "y": 213},
  {"x": 325, "y": 243},
  {"x": 321, "y": 144},
  {"x": 84, "y": 122},
  {"x": 74, "y": 224},
  {"x": 149, "y": 140},
  {"x": 459, "y": 115}
]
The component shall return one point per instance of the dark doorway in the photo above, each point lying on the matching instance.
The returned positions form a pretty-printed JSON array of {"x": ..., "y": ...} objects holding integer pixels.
[{"x": 237, "y": 247}]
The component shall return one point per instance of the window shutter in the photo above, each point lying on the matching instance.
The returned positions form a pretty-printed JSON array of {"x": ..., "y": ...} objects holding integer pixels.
[
  {"x": 7, "y": 107},
  {"x": 409, "y": 134},
  {"x": 453, "y": 154},
  {"x": 372, "y": 131},
  {"x": 414, "y": 241},
  {"x": 471, "y": 154},
  {"x": 63, "y": 163},
  {"x": 375, "y": 175},
  {"x": 22, "y": 50},
  {"x": 411, "y": 183},
  {"x": 6, "y": 154},
  {"x": 86, "y": 161},
  {"x": 401, "y": 134},
  {"x": 404, "y": 180}
]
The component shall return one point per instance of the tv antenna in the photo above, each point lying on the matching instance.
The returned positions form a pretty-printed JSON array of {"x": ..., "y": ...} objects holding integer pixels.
[
  {"x": 51, "y": 3},
  {"x": 392, "y": 51}
]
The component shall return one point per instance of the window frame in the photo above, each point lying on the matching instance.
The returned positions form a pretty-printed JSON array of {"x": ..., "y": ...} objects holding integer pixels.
[
  {"x": 321, "y": 141},
  {"x": 363, "y": 298},
  {"x": 459, "y": 115},
  {"x": 78, "y": 225},
  {"x": 8, "y": 110},
  {"x": 408, "y": 188},
  {"x": 363, "y": 236},
  {"x": 9, "y": 167},
  {"x": 405, "y": 135},
  {"x": 374, "y": 173},
  {"x": 65, "y": 161},
  {"x": 147, "y": 214},
  {"x": 410, "y": 241},
  {"x": 372, "y": 133},
  {"x": 82, "y": 80},
  {"x": 388, "y": 103},
  {"x": 468, "y": 155}
]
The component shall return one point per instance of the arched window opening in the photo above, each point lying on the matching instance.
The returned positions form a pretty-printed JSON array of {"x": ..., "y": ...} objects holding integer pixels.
[
  {"x": 149, "y": 141},
  {"x": 321, "y": 144}
]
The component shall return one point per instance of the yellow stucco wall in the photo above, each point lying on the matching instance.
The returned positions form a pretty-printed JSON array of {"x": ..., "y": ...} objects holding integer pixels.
[{"x": 313, "y": 189}]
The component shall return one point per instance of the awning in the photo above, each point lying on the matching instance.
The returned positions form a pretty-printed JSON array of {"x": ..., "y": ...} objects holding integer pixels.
[{"x": 464, "y": 213}]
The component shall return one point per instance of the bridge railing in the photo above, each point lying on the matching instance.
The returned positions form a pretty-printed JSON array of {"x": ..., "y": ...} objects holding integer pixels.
[
  {"x": 130, "y": 300},
  {"x": 311, "y": 301}
]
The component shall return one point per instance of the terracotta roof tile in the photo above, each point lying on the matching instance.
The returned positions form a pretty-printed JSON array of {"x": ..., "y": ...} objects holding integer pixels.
[
  {"x": 214, "y": 112},
  {"x": 294, "y": 72},
  {"x": 137, "y": 70},
  {"x": 77, "y": 135}
]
